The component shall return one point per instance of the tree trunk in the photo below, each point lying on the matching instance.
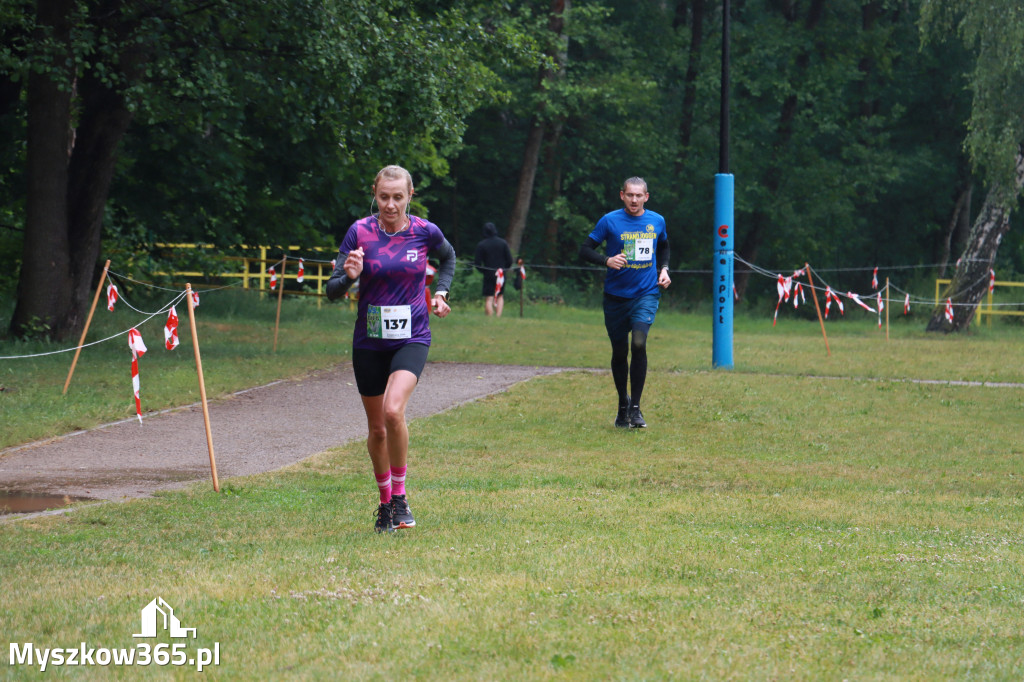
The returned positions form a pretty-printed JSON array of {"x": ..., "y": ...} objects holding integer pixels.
[
  {"x": 69, "y": 177},
  {"x": 524, "y": 190},
  {"x": 748, "y": 250},
  {"x": 690, "y": 80},
  {"x": 553, "y": 163},
  {"x": 959, "y": 222},
  {"x": 538, "y": 128},
  {"x": 970, "y": 281},
  {"x": 454, "y": 229},
  {"x": 45, "y": 277}
]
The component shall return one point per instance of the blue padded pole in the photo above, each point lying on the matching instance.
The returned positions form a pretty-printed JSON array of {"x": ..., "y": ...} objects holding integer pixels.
[{"x": 721, "y": 352}]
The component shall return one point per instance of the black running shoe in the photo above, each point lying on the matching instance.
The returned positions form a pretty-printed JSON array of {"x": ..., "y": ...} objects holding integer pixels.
[
  {"x": 401, "y": 515},
  {"x": 622, "y": 418},
  {"x": 636, "y": 420},
  {"x": 383, "y": 523}
]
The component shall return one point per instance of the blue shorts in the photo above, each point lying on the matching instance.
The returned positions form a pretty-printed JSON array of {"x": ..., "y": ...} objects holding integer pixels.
[{"x": 623, "y": 315}]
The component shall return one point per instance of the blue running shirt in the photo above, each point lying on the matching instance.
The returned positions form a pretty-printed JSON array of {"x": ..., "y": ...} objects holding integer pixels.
[{"x": 637, "y": 237}]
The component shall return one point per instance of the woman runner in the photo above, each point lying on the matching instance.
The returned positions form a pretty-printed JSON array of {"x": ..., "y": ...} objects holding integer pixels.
[{"x": 387, "y": 252}]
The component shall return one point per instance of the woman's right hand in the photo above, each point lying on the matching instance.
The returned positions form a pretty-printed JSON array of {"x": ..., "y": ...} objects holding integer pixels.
[{"x": 354, "y": 263}]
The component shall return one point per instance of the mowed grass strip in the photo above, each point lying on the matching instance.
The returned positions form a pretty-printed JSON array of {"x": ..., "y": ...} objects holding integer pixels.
[
  {"x": 236, "y": 337},
  {"x": 765, "y": 526}
]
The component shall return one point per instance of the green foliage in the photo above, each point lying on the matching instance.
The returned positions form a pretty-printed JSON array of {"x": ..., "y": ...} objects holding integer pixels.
[
  {"x": 994, "y": 32},
  {"x": 259, "y": 119},
  {"x": 263, "y": 121}
]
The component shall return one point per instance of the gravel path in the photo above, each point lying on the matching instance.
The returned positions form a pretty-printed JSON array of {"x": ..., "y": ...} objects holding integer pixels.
[{"x": 256, "y": 430}]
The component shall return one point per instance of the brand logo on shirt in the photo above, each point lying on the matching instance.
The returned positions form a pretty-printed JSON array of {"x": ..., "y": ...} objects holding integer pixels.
[
  {"x": 412, "y": 255},
  {"x": 650, "y": 228}
]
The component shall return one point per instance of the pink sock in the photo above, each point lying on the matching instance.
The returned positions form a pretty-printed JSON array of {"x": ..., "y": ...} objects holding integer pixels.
[
  {"x": 384, "y": 484},
  {"x": 398, "y": 480}
]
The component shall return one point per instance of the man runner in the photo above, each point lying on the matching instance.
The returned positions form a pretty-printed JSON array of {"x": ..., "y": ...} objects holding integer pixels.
[{"x": 636, "y": 255}]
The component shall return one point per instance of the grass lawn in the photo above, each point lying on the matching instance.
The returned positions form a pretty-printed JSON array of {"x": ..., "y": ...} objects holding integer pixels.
[{"x": 801, "y": 516}]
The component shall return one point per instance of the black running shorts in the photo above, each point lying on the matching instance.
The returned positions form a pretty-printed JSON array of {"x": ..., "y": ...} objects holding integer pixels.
[{"x": 373, "y": 367}]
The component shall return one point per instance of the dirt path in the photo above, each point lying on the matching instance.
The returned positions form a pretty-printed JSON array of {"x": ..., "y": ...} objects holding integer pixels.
[{"x": 256, "y": 430}]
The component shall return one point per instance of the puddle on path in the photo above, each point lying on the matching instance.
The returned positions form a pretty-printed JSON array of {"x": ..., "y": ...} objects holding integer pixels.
[{"x": 14, "y": 502}]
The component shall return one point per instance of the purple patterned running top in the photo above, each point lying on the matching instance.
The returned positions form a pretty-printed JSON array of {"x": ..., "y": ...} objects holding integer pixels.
[{"x": 392, "y": 307}]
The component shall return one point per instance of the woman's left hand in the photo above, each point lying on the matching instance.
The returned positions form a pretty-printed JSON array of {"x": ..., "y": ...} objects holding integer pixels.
[{"x": 440, "y": 306}]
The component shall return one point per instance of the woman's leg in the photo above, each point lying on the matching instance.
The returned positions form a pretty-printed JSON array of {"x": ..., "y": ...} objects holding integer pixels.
[
  {"x": 377, "y": 435},
  {"x": 393, "y": 403},
  {"x": 396, "y": 397}
]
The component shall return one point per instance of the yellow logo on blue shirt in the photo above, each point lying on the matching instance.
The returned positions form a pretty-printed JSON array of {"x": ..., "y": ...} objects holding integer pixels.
[{"x": 650, "y": 228}]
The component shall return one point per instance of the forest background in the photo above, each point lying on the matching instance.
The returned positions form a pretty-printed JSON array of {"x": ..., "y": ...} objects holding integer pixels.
[{"x": 865, "y": 133}]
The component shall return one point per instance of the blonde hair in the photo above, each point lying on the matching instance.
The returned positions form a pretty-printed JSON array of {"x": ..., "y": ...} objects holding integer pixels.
[{"x": 393, "y": 173}]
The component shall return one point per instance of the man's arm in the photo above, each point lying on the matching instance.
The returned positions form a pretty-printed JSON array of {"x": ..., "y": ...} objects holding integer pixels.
[
  {"x": 589, "y": 252},
  {"x": 662, "y": 254},
  {"x": 662, "y": 257}
]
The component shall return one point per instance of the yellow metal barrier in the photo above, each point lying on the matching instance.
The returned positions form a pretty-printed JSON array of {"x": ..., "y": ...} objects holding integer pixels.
[
  {"x": 986, "y": 307},
  {"x": 316, "y": 273}
]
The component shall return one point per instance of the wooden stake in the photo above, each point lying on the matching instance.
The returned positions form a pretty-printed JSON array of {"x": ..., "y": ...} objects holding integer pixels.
[
  {"x": 821, "y": 320},
  {"x": 280, "y": 294},
  {"x": 886, "y": 308},
  {"x": 88, "y": 321},
  {"x": 522, "y": 288},
  {"x": 202, "y": 387}
]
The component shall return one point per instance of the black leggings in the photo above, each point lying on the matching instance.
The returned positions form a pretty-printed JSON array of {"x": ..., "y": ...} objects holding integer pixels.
[{"x": 636, "y": 371}]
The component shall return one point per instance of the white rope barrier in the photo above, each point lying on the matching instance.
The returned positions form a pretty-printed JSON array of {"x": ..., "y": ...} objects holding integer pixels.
[{"x": 163, "y": 310}]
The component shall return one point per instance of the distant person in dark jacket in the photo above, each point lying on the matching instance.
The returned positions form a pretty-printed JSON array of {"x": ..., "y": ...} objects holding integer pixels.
[{"x": 492, "y": 258}]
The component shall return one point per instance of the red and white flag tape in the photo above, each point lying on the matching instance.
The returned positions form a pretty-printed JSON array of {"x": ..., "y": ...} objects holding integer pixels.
[
  {"x": 195, "y": 300},
  {"x": 522, "y": 271},
  {"x": 833, "y": 296},
  {"x": 111, "y": 297},
  {"x": 138, "y": 350},
  {"x": 782, "y": 285},
  {"x": 906, "y": 305},
  {"x": 302, "y": 272},
  {"x": 334, "y": 264},
  {"x": 171, "y": 330},
  {"x": 499, "y": 280},
  {"x": 991, "y": 280},
  {"x": 273, "y": 278},
  {"x": 862, "y": 304},
  {"x": 735, "y": 294},
  {"x": 949, "y": 310},
  {"x": 798, "y": 296},
  {"x": 874, "y": 279},
  {"x": 881, "y": 307}
]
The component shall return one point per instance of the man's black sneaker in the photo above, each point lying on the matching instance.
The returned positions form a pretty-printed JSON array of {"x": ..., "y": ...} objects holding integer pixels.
[
  {"x": 401, "y": 515},
  {"x": 383, "y": 523},
  {"x": 636, "y": 420},
  {"x": 622, "y": 418}
]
